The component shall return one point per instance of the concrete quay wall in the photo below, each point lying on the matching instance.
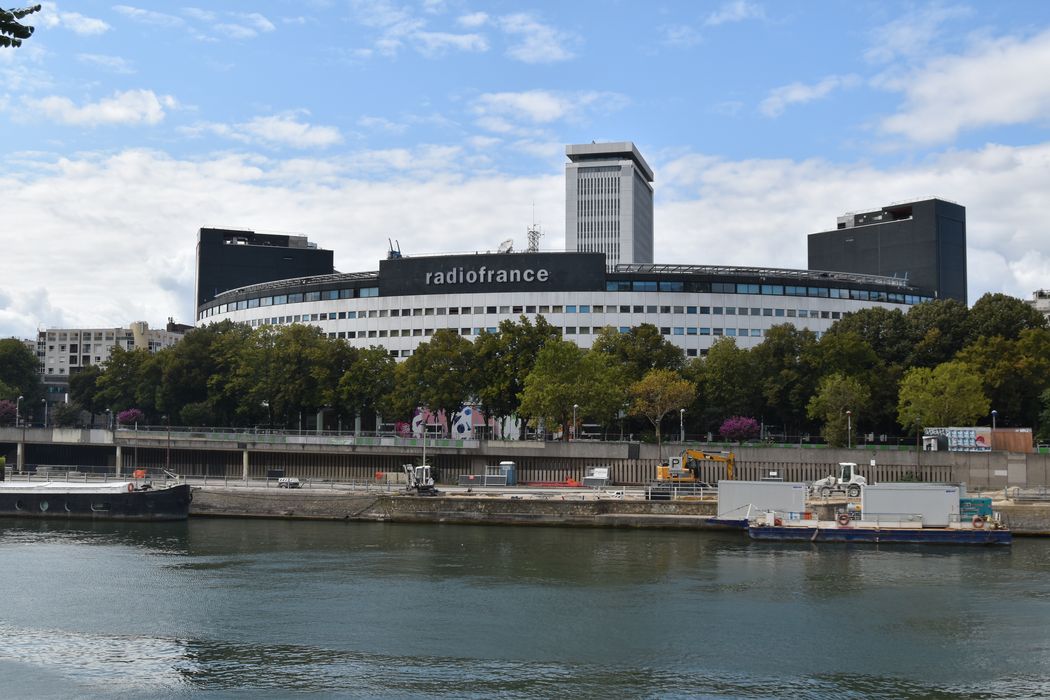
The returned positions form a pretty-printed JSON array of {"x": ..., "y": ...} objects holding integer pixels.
[{"x": 219, "y": 501}]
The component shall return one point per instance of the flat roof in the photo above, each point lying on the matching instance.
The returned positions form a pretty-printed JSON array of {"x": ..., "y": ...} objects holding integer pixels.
[{"x": 581, "y": 152}]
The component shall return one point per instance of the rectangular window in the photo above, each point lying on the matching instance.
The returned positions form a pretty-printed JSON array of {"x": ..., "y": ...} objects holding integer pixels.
[
  {"x": 295, "y": 298},
  {"x": 490, "y": 309},
  {"x": 779, "y": 312},
  {"x": 650, "y": 309},
  {"x": 731, "y": 332},
  {"x": 690, "y": 309},
  {"x": 346, "y": 294},
  {"x": 639, "y": 310},
  {"x": 599, "y": 309},
  {"x": 504, "y": 309},
  {"x": 312, "y": 296},
  {"x": 705, "y": 309},
  {"x": 570, "y": 330},
  {"x": 625, "y": 329},
  {"x": 643, "y": 286},
  {"x": 253, "y": 303},
  {"x": 530, "y": 309},
  {"x": 716, "y": 331},
  {"x": 570, "y": 309},
  {"x": 731, "y": 311},
  {"x": 585, "y": 309},
  {"x": 266, "y": 301},
  {"x": 767, "y": 312},
  {"x": 791, "y": 313},
  {"x": 803, "y": 313},
  {"x": 453, "y": 311},
  {"x": 556, "y": 310},
  {"x": 691, "y": 330},
  {"x": 717, "y": 310},
  {"x": 369, "y": 292},
  {"x": 516, "y": 310},
  {"x": 665, "y": 309},
  {"x": 671, "y": 287},
  {"x": 625, "y": 309},
  {"x": 382, "y": 333},
  {"x": 678, "y": 330},
  {"x": 617, "y": 286},
  {"x": 330, "y": 295},
  {"x": 756, "y": 332},
  {"x": 665, "y": 330},
  {"x": 545, "y": 309},
  {"x": 464, "y": 331}
]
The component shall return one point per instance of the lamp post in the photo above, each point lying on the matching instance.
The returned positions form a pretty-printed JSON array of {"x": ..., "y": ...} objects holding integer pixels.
[
  {"x": 994, "y": 415},
  {"x": 21, "y": 445},
  {"x": 681, "y": 424},
  {"x": 572, "y": 433},
  {"x": 44, "y": 401},
  {"x": 109, "y": 419},
  {"x": 849, "y": 430},
  {"x": 918, "y": 446},
  {"x": 167, "y": 450}
]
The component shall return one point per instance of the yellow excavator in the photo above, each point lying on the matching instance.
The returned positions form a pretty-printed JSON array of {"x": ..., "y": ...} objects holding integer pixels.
[{"x": 685, "y": 468}]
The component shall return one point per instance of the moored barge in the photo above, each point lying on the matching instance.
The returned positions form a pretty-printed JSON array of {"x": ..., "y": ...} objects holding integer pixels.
[{"x": 120, "y": 500}]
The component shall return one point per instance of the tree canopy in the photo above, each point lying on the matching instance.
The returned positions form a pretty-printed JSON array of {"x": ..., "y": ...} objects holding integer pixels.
[{"x": 12, "y": 29}]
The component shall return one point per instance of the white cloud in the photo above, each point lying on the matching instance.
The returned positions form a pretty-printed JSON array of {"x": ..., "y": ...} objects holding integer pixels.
[
  {"x": 249, "y": 26},
  {"x": 51, "y": 17},
  {"x": 799, "y": 93},
  {"x": 113, "y": 64},
  {"x": 709, "y": 210},
  {"x": 130, "y": 107},
  {"x": 505, "y": 111},
  {"x": 537, "y": 42},
  {"x": 381, "y": 124},
  {"x": 437, "y": 43},
  {"x": 735, "y": 11},
  {"x": 998, "y": 82},
  {"x": 275, "y": 131},
  {"x": 158, "y": 19},
  {"x": 681, "y": 35},
  {"x": 913, "y": 33},
  {"x": 473, "y": 20},
  {"x": 762, "y": 209}
]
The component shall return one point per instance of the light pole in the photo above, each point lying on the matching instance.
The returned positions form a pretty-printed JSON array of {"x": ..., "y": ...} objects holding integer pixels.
[
  {"x": 572, "y": 433},
  {"x": 849, "y": 430},
  {"x": 109, "y": 419},
  {"x": 994, "y": 415},
  {"x": 167, "y": 450},
  {"x": 21, "y": 445},
  {"x": 44, "y": 401},
  {"x": 18, "y": 410},
  {"x": 681, "y": 424}
]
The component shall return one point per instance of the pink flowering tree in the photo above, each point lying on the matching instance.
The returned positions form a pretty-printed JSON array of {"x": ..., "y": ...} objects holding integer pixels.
[
  {"x": 131, "y": 416},
  {"x": 739, "y": 429},
  {"x": 7, "y": 412}
]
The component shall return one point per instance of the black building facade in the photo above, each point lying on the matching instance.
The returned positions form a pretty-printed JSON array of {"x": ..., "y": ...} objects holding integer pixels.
[
  {"x": 923, "y": 242},
  {"x": 228, "y": 259}
]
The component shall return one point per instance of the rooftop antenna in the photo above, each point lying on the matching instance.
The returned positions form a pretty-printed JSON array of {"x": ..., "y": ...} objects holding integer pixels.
[
  {"x": 534, "y": 233},
  {"x": 506, "y": 246},
  {"x": 393, "y": 253}
]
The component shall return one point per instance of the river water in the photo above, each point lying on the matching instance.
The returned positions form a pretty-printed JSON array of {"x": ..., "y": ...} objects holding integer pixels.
[{"x": 237, "y": 608}]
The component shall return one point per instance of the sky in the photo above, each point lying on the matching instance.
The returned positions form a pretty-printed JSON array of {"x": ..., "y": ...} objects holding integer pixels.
[{"x": 442, "y": 124}]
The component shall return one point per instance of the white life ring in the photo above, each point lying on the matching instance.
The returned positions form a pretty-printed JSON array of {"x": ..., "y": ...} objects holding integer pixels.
[
  {"x": 978, "y": 522},
  {"x": 843, "y": 519}
]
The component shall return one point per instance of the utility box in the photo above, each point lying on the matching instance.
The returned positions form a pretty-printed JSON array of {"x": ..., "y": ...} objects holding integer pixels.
[
  {"x": 509, "y": 470},
  {"x": 937, "y": 504},
  {"x": 596, "y": 477},
  {"x": 735, "y": 497}
]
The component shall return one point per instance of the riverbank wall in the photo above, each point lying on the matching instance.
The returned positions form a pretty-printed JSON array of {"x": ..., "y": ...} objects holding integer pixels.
[{"x": 565, "y": 511}]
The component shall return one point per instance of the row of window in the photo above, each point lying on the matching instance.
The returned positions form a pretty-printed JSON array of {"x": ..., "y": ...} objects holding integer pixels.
[
  {"x": 571, "y": 309},
  {"x": 611, "y": 286},
  {"x": 765, "y": 289}
]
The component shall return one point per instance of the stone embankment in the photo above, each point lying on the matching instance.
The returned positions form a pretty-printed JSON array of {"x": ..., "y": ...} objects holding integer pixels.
[{"x": 570, "y": 510}]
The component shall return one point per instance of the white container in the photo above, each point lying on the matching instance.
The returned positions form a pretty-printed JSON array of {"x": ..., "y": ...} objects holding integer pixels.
[
  {"x": 734, "y": 497},
  {"x": 938, "y": 504}
]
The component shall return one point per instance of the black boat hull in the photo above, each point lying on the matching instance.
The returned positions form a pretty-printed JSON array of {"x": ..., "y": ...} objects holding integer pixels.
[{"x": 154, "y": 505}]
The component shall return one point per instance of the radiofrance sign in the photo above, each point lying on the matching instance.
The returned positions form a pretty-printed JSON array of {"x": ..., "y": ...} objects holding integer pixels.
[
  {"x": 492, "y": 272},
  {"x": 485, "y": 275}
]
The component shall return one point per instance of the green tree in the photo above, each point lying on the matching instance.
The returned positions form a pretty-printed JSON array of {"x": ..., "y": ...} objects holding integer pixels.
[
  {"x": 126, "y": 381},
  {"x": 887, "y": 332},
  {"x": 504, "y": 360},
  {"x": 19, "y": 372},
  {"x": 12, "y": 30},
  {"x": 949, "y": 394},
  {"x": 1043, "y": 431},
  {"x": 727, "y": 384},
  {"x": 84, "y": 391},
  {"x": 65, "y": 415},
  {"x": 368, "y": 378},
  {"x": 564, "y": 376},
  {"x": 837, "y": 394},
  {"x": 1002, "y": 315},
  {"x": 440, "y": 375},
  {"x": 639, "y": 350},
  {"x": 1013, "y": 373},
  {"x": 787, "y": 374},
  {"x": 939, "y": 329},
  {"x": 196, "y": 370},
  {"x": 658, "y": 393}
]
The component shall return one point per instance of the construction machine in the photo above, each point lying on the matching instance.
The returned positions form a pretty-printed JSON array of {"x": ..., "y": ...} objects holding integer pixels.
[
  {"x": 685, "y": 467},
  {"x": 420, "y": 479},
  {"x": 847, "y": 482}
]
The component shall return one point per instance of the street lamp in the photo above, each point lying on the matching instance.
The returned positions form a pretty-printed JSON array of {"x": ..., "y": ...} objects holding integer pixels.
[
  {"x": 681, "y": 424},
  {"x": 44, "y": 401},
  {"x": 849, "y": 430},
  {"x": 18, "y": 407},
  {"x": 994, "y": 414},
  {"x": 572, "y": 433},
  {"x": 167, "y": 450},
  {"x": 109, "y": 419},
  {"x": 22, "y": 445}
]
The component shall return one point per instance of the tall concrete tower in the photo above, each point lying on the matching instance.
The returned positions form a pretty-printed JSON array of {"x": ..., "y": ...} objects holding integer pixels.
[{"x": 609, "y": 202}]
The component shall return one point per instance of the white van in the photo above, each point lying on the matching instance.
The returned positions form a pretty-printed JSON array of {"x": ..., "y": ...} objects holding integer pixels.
[{"x": 289, "y": 482}]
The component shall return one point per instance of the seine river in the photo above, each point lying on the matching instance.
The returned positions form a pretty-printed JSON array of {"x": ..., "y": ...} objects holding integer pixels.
[{"x": 247, "y": 609}]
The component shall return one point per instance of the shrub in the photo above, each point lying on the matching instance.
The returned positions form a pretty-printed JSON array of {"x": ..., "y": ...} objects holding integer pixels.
[{"x": 739, "y": 428}]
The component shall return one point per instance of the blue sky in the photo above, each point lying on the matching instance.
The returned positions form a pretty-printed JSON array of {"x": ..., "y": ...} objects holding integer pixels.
[{"x": 442, "y": 124}]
